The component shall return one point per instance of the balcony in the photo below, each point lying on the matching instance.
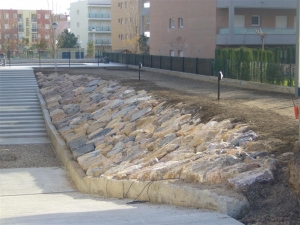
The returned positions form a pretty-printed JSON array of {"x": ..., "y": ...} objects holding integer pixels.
[
  {"x": 269, "y": 31},
  {"x": 103, "y": 42},
  {"x": 100, "y": 29},
  {"x": 248, "y": 36},
  {"x": 33, "y": 30},
  {"x": 99, "y": 16},
  {"x": 274, "y": 4}
]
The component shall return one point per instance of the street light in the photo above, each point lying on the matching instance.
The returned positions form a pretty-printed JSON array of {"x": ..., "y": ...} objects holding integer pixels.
[
  {"x": 94, "y": 30},
  {"x": 79, "y": 48},
  {"x": 54, "y": 26}
]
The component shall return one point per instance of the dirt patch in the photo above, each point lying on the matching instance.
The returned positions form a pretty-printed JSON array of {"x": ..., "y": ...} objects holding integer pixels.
[{"x": 269, "y": 114}]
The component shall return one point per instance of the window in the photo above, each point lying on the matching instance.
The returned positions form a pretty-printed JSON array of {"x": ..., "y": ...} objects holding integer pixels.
[
  {"x": 39, "y": 35},
  {"x": 39, "y": 26},
  {"x": 122, "y": 5},
  {"x": 78, "y": 24},
  {"x": 121, "y": 37},
  {"x": 15, "y": 36},
  {"x": 20, "y": 17},
  {"x": 47, "y": 26},
  {"x": 126, "y": 21},
  {"x": 33, "y": 17},
  {"x": 147, "y": 20},
  {"x": 180, "y": 23},
  {"x": 180, "y": 53},
  {"x": 27, "y": 32},
  {"x": 47, "y": 16},
  {"x": 15, "y": 16},
  {"x": 6, "y": 36},
  {"x": 21, "y": 28},
  {"x": 34, "y": 27},
  {"x": 47, "y": 37},
  {"x": 27, "y": 22},
  {"x": 38, "y": 16},
  {"x": 121, "y": 21},
  {"x": 171, "y": 52},
  {"x": 34, "y": 37},
  {"x": 0, "y": 46},
  {"x": 6, "y": 26},
  {"x": 172, "y": 23},
  {"x": 255, "y": 20},
  {"x": 6, "y": 15}
]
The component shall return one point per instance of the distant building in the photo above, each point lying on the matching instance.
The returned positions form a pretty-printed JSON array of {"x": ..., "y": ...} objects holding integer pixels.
[
  {"x": 194, "y": 28},
  {"x": 32, "y": 25},
  {"x": 130, "y": 19},
  {"x": 88, "y": 14}
]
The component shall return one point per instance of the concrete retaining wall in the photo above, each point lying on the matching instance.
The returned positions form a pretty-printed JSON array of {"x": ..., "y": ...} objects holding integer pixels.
[{"x": 225, "y": 81}]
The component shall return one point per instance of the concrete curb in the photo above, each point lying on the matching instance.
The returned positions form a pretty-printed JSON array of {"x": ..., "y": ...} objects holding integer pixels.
[
  {"x": 225, "y": 81},
  {"x": 163, "y": 192}
]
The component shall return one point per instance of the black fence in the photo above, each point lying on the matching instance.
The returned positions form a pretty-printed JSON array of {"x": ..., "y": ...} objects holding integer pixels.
[
  {"x": 271, "y": 73},
  {"x": 180, "y": 64}
]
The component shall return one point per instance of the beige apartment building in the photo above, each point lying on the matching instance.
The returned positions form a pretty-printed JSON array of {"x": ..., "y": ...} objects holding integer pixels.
[
  {"x": 194, "y": 28},
  {"x": 130, "y": 18},
  {"x": 183, "y": 28}
]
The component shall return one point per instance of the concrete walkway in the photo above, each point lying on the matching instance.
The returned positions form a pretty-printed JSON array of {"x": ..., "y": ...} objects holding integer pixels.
[
  {"x": 47, "y": 196},
  {"x": 30, "y": 196},
  {"x": 21, "y": 118}
]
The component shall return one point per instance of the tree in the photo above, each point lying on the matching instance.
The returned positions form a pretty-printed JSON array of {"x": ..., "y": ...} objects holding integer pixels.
[
  {"x": 42, "y": 44},
  {"x": 178, "y": 44},
  {"x": 143, "y": 44},
  {"x": 90, "y": 48},
  {"x": 131, "y": 25},
  {"x": 262, "y": 35},
  {"x": 66, "y": 40}
]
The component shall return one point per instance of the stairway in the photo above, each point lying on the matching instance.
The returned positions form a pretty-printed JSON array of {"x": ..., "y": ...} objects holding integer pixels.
[{"x": 21, "y": 118}]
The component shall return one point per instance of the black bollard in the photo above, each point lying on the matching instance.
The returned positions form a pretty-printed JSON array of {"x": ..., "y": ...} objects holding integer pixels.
[{"x": 140, "y": 66}]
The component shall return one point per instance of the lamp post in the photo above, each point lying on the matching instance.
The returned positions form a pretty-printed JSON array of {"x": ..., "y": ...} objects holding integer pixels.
[
  {"x": 94, "y": 30},
  {"x": 79, "y": 48},
  {"x": 54, "y": 26}
]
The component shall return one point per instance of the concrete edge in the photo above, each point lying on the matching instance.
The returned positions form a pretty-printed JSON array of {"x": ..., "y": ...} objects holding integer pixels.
[
  {"x": 162, "y": 192},
  {"x": 225, "y": 81}
]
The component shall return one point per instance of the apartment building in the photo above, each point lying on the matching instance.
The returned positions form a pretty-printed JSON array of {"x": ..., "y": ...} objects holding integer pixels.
[
  {"x": 239, "y": 21},
  {"x": 88, "y": 14},
  {"x": 130, "y": 19},
  {"x": 183, "y": 28},
  {"x": 15, "y": 25}
]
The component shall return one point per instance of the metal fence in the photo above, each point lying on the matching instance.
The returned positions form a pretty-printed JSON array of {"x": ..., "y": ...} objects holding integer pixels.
[
  {"x": 271, "y": 73},
  {"x": 180, "y": 64}
]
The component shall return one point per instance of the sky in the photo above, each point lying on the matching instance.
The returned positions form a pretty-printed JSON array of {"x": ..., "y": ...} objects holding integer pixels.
[{"x": 59, "y": 6}]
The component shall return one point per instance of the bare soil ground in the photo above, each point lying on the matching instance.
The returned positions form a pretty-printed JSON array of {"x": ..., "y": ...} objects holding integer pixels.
[{"x": 269, "y": 114}]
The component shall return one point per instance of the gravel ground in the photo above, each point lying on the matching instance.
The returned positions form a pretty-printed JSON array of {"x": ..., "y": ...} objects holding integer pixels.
[{"x": 26, "y": 156}]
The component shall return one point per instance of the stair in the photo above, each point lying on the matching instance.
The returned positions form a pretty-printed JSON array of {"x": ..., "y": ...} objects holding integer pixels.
[{"x": 21, "y": 118}]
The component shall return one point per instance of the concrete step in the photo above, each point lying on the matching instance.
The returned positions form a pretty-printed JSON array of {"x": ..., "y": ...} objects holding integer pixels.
[
  {"x": 23, "y": 130},
  {"x": 21, "y": 126},
  {"x": 21, "y": 118},
  {"x": 22, "y": 140},
  {"x": 24, "y": 135},
  {"x": 18, "y": 104},
  {"x": 13, "y": 100},
  {"x": 11, "y": 122},
  {"x": 13, "y": 114}
]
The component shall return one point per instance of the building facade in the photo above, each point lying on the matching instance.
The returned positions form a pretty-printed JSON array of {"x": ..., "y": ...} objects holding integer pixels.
[
  {"x": 88, "y": 14},
  {"x": 29, "y": 25},
  {"x": 187, "y": 28},
  {"x": 239, "y": 22}
]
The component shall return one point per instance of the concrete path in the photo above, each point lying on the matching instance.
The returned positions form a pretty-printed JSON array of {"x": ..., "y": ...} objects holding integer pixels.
[
  {"x": 47, "y": 196},
  {"x": 21, "y": 119}
]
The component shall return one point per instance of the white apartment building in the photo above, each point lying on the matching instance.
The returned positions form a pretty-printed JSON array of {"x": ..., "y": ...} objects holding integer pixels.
[{"x": 88, "y": 14}]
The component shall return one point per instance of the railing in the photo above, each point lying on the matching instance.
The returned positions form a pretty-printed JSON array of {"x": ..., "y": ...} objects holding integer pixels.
[
  {"x": 270, "y": 73},
  {"x": 100, "y": 28},
  {"x": 34, "y": 30},
  {"x": 101, "y": 41},
  {"x": 274, "y": 31},
  {"x": 99, "y": 15}
]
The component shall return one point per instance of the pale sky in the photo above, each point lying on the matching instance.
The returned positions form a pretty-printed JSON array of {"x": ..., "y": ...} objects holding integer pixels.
[{"x": 59, "y": 6}]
